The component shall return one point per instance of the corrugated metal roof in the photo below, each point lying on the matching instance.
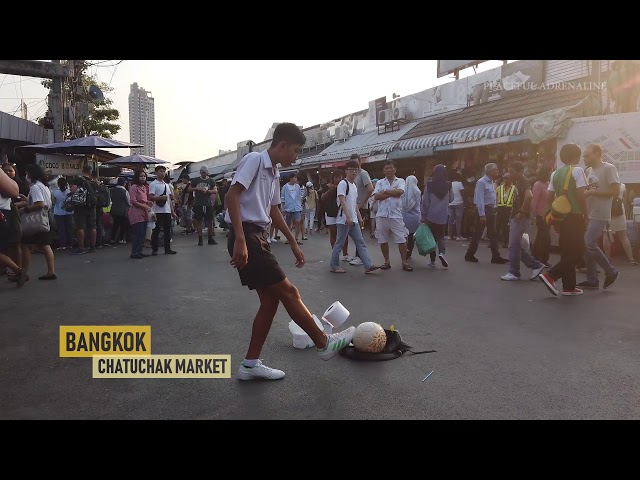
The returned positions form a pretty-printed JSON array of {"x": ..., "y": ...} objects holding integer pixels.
[
  {"x": 21, "y": 130},
  {"x": 363, "y": 144},
  {"x": 511, "y": 108}
]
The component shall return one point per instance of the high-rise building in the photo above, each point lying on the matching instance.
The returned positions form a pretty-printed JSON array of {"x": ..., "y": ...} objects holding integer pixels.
[{"x": 142, "y": 125}]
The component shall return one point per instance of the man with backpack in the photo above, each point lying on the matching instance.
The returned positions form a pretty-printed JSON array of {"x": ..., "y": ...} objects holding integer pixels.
[
  {"x": 103, "y": 200},
  {"x": 568, "y": 180},
  {"x": 349, "y": 221},
  {"x": 84, "y": 216}
]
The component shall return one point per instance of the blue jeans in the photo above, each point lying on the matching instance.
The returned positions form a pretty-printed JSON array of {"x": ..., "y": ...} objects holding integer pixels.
[
  {"x": 65, "y": 230},
  {"x": 355, "y": 233},
  {"x": 455, "y": 216},
  {"x": 516, "y": 253},
  {"x": 593, "y": 253},
  {"x": 138, "y": 231}
]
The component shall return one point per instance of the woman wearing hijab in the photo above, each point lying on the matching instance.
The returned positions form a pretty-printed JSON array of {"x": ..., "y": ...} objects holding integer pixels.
[
  {"x": 435, "y": 210},
  {"x": 411, "y": 210}
]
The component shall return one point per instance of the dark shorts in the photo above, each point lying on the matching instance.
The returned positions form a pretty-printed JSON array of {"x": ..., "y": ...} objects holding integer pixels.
[
  {"x": 10, "y": 230},
  {"x": 42, "y": 238},
  {"x": 262, "y": 268},
  {"x": 84, "y": 217},
  {"x": 201, "y": 212}
]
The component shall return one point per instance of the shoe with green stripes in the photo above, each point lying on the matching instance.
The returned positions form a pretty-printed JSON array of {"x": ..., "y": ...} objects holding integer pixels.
[{"x": 336, "y": 342}]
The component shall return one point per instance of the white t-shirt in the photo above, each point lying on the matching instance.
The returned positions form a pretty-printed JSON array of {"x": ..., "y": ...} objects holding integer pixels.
[
  {"x": 5, "y": 203},
  {"x": 39, "y": 192},
  {"x": 157, "y": 189},
  {"x": 261, "y": 181},
  {"x": 578, "y": 175},
  {"x": 600, "y": 179},
  {"x": 350, "y": 200},
  {"x": 456, "y": 188}
]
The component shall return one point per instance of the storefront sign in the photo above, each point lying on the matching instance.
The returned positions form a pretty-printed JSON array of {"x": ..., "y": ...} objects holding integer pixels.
[
  {"x": 376, "y": 158},
  {"x": 619, "y": 137},
  {"x": 61, "y": 164}
]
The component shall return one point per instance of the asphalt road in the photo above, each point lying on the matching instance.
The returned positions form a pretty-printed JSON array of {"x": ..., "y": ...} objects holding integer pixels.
[{"x": 504, "y": 350}]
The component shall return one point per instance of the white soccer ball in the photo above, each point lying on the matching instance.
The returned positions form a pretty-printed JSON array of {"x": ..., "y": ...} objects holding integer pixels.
[{"x": 369, "y": 337}]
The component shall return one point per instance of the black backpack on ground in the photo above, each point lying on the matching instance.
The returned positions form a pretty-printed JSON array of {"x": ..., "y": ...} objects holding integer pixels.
[{"x": 394, "y": 348}]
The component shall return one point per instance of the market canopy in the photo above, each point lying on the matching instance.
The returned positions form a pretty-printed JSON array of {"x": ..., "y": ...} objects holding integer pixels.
[
  {"x": 136, "y": 159},
  {"x": 80, "y": 145}
]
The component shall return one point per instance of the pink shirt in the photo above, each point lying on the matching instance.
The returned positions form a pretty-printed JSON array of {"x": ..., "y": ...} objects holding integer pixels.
[
  {"x": 138, "y": 193},
  {"x": 539, "y": 200}
]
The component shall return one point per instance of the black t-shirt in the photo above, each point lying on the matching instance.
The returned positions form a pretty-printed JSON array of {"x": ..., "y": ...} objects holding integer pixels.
[{"x": 522, "y": 186}]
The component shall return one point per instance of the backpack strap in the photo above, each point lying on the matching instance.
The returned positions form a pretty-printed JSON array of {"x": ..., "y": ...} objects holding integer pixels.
[{"x": 567, "y": 180}]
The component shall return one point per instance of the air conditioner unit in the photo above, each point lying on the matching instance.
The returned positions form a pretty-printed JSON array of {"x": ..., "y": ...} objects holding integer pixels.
[
  {"x": 323, "y": 137},
  {"x": 399, "y": 113},
  {"x": 341, "y": 133},
  {"x": 384, "y": 116}
]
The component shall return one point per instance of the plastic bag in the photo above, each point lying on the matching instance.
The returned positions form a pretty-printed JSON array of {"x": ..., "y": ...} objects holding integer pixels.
[
  {"x": 425, "y": 241},
  {"x": 301, "y": 339}
]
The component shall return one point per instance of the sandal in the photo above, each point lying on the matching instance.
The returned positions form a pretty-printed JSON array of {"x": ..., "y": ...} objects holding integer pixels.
[
  {"x": 372, "y": 269},
  {"x": 385, "y": 266},
  {"x": 304, "y": 238},
  {"x": 407, "y": 268},
  {"x": 338, "y": 270},
  {"x": 53, "y": 276}
]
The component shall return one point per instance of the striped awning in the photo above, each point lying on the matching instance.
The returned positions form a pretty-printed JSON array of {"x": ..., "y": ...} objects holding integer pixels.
[
  {"x": 502, "y": 129},
  {"x": 345, "y": 154}
]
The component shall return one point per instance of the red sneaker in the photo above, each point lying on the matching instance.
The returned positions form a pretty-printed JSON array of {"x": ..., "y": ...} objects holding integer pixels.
[
  {"x": 549, "y": 283},
  {"x": 572, "y": 293}
]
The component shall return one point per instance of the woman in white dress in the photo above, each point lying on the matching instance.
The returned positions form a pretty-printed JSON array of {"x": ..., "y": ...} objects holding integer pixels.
[{"x": 618, "y": 230}]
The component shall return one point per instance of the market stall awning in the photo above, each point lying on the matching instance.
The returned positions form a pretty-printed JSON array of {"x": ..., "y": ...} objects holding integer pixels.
[
  {"x": 365, "y": 151},
  {"x": 501, "y": 129}
]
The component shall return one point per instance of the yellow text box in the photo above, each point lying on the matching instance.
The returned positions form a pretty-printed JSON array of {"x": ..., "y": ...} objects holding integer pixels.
[
  {"x": 162, "y": 366},
  {"x": 90, "y": 340}
]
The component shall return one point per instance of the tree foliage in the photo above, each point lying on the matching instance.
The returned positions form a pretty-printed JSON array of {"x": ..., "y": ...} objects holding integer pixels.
[{"x": 102, "y": 119}]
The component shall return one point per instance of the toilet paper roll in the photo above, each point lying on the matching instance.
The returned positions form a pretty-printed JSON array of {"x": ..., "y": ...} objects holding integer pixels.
[{"x": 336, "y": 314}]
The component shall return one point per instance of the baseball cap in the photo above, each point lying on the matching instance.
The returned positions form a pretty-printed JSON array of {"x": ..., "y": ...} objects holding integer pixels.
[
  {"x": 309, "y": 184},
  {"x": 204, "y": 168}
]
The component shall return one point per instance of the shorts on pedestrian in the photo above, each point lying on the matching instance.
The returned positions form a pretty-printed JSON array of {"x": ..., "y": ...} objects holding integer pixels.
[
  {"x": 292, "y": 216},
  {"x": 203, "y": 212},
  {"x": 10, "y": 228},
  {"x": 84, "y": 217},
  {"x": 391, "y": 230},
  {"x": 262, "y": 268},
  {"x": 329, "y": 220}
]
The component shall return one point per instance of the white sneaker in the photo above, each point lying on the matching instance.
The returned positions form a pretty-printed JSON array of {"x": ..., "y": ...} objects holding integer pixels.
[
  {"x": 355, "y": 261},
  {"x": 448, "y": 237},
  {"x": 259, "y": 371},
  {"x": 535, "y": 272},
  {"x": 443, "y": 260},
  {"x": 269, "y": 240},
  {"x": 273, "y": 240},
  {"x": 509, "y": 277},
  {"x": 347, "y": 258},
  {"x": 459, "y": 238},
  {"x": 336, "y": 342}
]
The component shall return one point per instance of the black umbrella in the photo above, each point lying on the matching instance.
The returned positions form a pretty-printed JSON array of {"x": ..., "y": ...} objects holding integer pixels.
[
  {"x": 136, "y": 159},
  {"x": 80, "y": 145}
]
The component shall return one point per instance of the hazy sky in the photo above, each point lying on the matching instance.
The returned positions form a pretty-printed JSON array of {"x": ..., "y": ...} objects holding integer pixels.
[{"x": 203, "y": 106}]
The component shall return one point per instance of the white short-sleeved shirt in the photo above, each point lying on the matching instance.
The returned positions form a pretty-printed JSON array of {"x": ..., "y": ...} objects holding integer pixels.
[
  {"x": 578, "y": 175},
  {"x": 157, "y": 189},
  {"x": 261, "y": 180},
  {"x": 456, "y": 188},
  {"x": 39, "y": 192},
  {"x": 350, "y": 200},
  {"x": 389, "y": 207},
  {"x": 600, "y": 179}
]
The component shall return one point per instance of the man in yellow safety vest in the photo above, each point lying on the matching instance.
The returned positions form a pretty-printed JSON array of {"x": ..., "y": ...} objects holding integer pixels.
[{"x": 505, "y": 193}]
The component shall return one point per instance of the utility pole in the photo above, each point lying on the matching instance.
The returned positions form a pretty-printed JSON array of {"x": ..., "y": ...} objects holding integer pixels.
[
  {"x": 57, "y": 110},
  {"x": 54, "y": 70}
]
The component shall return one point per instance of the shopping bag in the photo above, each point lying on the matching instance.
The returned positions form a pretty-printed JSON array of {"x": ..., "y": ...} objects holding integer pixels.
[{"x": 424, "y": 240}]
